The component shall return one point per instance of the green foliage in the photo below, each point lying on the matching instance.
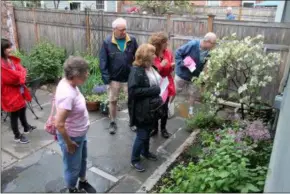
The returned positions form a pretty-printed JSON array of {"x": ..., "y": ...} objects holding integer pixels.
[
  {"x": 224, "y": 166},
  {"x": 47, "y": 59},
  {"x": 97, "y": 98},
  {"x": 237, "y": 70},
  {"x": 26, "y": 62},
  {"x": 163, "y": 7},
  {"x": 204, "y": 119}
]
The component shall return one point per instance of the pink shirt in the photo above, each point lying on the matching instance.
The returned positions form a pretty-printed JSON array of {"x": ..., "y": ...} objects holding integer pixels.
[{"x": 70, "y": 98}]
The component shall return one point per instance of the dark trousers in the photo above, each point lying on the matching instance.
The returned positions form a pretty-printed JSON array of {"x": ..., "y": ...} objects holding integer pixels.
[
  {"x": 164, "y": 118},
  {"x": 21, "y": 114},
  {"x": 141, "y": 144}
]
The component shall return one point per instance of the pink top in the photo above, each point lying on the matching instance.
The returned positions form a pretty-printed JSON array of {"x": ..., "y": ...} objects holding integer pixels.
[{"x": 70, "y": 98}]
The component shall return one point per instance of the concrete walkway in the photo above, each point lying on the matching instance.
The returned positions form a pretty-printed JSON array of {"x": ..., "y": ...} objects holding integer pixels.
[{"x": 37, "y": 166}]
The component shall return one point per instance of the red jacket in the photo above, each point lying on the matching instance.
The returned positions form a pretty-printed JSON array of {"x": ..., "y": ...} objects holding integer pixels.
[
  {"x": 11, "y": 81},
  {"x": 167, "y": 70}
]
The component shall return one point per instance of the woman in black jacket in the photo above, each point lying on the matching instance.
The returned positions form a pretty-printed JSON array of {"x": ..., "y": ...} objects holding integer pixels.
[{"x": 143, "y": 89}]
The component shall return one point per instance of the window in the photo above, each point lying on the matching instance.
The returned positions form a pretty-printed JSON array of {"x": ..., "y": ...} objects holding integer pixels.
[
  {"x": 248, "y": 3},
  {"x": 213, "y": 3},
  {"x": 100, "y": 4},
  {"x": 75, "y": 6}
]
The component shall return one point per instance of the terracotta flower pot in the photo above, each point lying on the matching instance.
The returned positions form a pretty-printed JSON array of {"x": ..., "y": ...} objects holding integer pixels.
[{"x": 93, "y": 106}]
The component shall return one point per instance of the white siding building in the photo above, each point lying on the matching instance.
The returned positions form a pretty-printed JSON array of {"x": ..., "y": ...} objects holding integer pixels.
[{"x": 110, "y": 6}]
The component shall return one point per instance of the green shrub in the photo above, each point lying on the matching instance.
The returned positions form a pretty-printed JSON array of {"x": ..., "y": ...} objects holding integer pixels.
[
  {"x": 47, "y": 59},
  {"x": 204, "y": 120},
  {"x": 224, "y": 166},
  {"x": 26, "y": 62}
]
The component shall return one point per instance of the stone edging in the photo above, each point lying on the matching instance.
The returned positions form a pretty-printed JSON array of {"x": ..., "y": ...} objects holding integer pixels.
[{"x": 157, "y": 174}]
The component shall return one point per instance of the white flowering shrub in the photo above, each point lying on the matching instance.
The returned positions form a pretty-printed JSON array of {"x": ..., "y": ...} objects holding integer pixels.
[{"x": 237, "y": 70}]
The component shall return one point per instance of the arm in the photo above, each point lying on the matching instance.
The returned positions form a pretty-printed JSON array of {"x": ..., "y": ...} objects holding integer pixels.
[
  {"x": 183, "y": 51},
  {"x": 104, "y": 64},
  {"x": 137, "y": 91},
  {"x": 10, "y": 77},
  {"x": 63, "y": 110}
]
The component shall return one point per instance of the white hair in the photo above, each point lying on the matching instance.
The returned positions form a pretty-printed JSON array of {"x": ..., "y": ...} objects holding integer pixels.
[
  {"x": 119, "y": 21},
  {"x": 210, "y": 36},
  {"x": 229, "y": 8}
]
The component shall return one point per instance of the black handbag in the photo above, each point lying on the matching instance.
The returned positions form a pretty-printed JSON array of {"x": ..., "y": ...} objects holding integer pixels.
[{"x": 156, "y": 108}]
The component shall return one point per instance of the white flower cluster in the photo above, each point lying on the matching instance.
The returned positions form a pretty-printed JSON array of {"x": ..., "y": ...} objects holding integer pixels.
[{"x": 240, "y": 68}]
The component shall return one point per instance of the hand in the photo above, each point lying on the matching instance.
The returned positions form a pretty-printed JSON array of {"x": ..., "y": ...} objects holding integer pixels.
[
  {"x": 71, "y": 147},
  {"x": 164, "y": 62}
]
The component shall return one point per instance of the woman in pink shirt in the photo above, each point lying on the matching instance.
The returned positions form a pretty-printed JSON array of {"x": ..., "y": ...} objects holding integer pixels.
[{"x": 72, "y": 122}]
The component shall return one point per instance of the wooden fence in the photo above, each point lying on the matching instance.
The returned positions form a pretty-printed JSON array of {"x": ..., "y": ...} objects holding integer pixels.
[{"x": 85, "y": 31}]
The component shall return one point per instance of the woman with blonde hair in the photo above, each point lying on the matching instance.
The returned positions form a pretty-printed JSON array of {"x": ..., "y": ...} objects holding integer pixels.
[
  {"x": 164, "y": 63},
  {"x": 143, "y": 99}
]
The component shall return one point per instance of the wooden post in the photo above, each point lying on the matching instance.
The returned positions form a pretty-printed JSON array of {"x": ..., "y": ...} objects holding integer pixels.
[
  {"x": 210, "y": 22},
  {"x": 169, "y": 28},
  {"x": 240, "y": 13},
  {"x": 36, "y": 33},
  {"x": 88, "y": 32}
]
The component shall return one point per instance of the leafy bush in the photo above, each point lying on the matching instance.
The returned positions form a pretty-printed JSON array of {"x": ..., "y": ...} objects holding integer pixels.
[
  {"x": 26, "y": 62},
  {"x": 237, "y": 70},
  {"x": 47, "y": 59},
  {"x": 204, "y": 120},
  {"x": 225, "y": 165}
]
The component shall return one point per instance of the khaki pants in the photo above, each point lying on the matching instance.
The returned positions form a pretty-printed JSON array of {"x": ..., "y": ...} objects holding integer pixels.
[{"x": 114, "y": 89}]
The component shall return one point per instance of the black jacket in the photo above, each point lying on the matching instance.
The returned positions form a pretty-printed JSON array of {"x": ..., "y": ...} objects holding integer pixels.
[
  {"x": 139, "y": 95},
  {"x": 115, "y": 64}
]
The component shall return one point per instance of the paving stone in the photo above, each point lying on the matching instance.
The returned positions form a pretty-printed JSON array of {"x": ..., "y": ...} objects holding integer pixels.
[{"x": 7, "y": 159}]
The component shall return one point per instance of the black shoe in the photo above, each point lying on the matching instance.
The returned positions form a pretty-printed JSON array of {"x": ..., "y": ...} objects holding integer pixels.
[
  {"x": 113, "y": 128},
  {"x": 22, "y": 139},
  {"x": 150, "y": 156},
  {"x": 154, "y": 132},
  {"x": 84, "y": 185},
  {"x": 29, "y": 129},
  {"x": 75, "y": 190},
  {"x": 138, "y": 167},
  {"x": 165, "y": 133}
]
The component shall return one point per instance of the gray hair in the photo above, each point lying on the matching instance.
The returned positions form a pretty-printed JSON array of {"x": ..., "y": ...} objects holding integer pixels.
[
  {"x": 119, "y": 21},
  {"x": 75, "y": 66},
  {"x": 210, "y": 36},
  {"x": 229, "y": 9}
]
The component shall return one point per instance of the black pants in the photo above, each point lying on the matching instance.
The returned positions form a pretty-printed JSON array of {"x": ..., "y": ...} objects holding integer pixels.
[
  {"x": 21, "y": 114},
  {"x": 164, "y": 118}
]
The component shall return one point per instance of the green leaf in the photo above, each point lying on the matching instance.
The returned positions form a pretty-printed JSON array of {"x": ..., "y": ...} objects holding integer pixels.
[
  {"x": 223, "y": 174},
  {"x": 252, "y": 187}
]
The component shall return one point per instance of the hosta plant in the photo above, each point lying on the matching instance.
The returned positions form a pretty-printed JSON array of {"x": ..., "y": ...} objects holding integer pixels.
[{"x": 237, "y": 70}]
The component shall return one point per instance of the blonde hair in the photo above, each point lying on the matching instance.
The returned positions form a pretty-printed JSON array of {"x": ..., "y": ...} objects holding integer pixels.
[
  {"x": 157, "y": 39},
  {"x": 143, "y": 55}
]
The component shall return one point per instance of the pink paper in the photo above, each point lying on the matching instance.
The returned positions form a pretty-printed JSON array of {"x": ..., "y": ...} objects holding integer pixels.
[
  {"x": 189, "y": 63},
  {"x": 164, "y": 89}
]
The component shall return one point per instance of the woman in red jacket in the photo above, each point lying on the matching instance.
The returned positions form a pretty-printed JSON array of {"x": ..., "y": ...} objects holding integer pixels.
[
  {"x": 164, "y": 62},
  {"x": 14, "y": 93}
]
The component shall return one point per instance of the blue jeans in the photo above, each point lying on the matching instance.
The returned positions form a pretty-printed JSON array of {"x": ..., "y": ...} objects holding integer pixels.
[
  {"x": 75, "y": 165},
  {"x": 141, "y": 144}
]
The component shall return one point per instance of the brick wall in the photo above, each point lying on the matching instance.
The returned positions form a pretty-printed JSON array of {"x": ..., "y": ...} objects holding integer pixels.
[
  {"x": 8, "y": 26},
  {"x": 231, "y": 3}
]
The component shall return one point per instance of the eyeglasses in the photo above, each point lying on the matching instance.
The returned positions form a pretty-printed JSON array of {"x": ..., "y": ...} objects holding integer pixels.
[{"x": 121, "y": 30}]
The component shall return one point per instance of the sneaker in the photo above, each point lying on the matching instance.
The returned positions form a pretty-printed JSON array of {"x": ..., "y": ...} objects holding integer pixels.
[
  {"x": 138, "y": 167},
  {"x": 75, "y": 190},
  {"x": 113, "y": 127},
  {"x": 154, "y": 132},
  {"x": 165, "y": 133},
  {"x": 85, "y": 185},
  {"x": 151, "y": 157},
  {"x": 30, "y": 129},
  {"x": 22, "y": 139}
]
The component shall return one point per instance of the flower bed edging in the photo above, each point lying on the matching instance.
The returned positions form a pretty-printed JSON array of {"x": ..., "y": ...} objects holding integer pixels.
[{"x": 158, "y": 173}]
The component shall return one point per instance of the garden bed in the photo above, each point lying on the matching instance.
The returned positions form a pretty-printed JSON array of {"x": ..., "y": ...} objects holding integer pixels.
[{"x": 233, "y": 158}]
